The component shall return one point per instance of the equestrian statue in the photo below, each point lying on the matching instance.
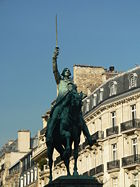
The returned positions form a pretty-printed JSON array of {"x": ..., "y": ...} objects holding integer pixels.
[{"x": 66, "y": 121}]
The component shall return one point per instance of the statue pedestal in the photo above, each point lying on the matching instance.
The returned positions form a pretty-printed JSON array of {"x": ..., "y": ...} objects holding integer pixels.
[{"x": 74, "y": 181}]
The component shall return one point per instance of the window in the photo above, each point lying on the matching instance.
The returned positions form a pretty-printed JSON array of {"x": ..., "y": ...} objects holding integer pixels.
[
  {"x": 35, "y": 173},
  {"x": 25, "y": 180},
  {"x": 87, "y": 105},
  {"x": 136, "y": 180},
  {"x": 134, "y": 146},
  {"x": 114, "y": 152},
  {"x": 115, "y": 182},
  {"x": 28, "y": 177},
  {"x": 113, "y": 88},
  {"x": 101, "y": 94},
  {"x": 132, "y": 80},
  {"x": 32, "y": 176},
  {"x": 21, "y": 181},
  {"x": 113, "y": 119},
  {"x": 133, "y": 112},
  {"x": 94, "y": 100}
]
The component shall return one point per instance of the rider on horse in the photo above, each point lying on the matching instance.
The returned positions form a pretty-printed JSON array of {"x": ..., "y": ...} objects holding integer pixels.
[{"x": 65, "y": 85}]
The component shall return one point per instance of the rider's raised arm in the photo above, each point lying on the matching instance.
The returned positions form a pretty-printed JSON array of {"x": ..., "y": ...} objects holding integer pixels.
[{"x": 55, "y": 69}]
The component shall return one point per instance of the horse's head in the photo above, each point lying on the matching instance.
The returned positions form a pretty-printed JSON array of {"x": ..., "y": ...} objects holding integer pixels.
[{"x": 76, "y": 102}]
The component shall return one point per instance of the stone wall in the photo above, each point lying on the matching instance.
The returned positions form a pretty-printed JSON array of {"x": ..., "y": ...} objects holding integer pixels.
[{"x": 88, "y": 78}]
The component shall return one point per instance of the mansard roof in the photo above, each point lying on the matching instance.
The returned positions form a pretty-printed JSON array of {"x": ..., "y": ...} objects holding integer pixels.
[
  {"x": 122, "y": 85},
  {"x": 13, "y": 147}
]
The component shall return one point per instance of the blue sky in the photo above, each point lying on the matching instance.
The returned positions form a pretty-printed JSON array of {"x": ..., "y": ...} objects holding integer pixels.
[{"x": 90, "y": 32}]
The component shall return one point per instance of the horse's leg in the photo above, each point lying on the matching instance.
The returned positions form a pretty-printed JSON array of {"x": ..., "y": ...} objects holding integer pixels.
[
  {"x": 61, "y": 150},
  {"x": 67, "y": 161},
  {"x": 76, "y": 144},
  {"x": 50, "y": 149},
  {"x": 66, "y": 134}
]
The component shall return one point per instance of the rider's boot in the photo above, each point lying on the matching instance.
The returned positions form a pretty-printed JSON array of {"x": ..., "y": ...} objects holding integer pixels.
[{"x": 86, "y": 132}]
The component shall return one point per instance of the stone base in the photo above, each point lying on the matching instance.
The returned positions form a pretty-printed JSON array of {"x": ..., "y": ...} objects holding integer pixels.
[{"x": 74, "y": 181}]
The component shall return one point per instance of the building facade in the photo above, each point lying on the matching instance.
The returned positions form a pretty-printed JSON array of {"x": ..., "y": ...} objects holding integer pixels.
[
  {"x": 111, "y": 110},
  {"x": 15, "y": 160},
  {"x": 112, "y": 114}
]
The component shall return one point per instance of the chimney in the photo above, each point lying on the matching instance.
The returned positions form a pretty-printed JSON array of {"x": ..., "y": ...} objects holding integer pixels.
[
  {"x": 111, "y": 68},
  {"x": 10, "y": 142},
  {"x": 23, "y": 140}
]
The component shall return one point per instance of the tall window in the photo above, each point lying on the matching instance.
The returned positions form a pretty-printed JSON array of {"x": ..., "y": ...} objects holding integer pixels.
[
  {"x": 113, "y": 88},
  {"x": 115, "y": 182},
  {"x": 21, "y": 181},
  {"x": 114, "y": 152},
  {"x": 87, "y": 105},
  {"x": 132, "y": 80},
  {"x": 113, "y": 118},
  {"x": 25, "y": 180},
  {"x": 28, "y": 177},
  {"x": 94, "y": 100},
  {"x": 133, "y": 112},
  {"x": 101, "y": 94},
  {"x": 32, "y": 176},
  {"x": 134, "y": 146},
  {"x": 35, "y": 173}
]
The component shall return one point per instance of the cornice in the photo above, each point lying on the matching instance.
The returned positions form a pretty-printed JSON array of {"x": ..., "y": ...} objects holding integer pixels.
[{"x": 104, "y": 107}]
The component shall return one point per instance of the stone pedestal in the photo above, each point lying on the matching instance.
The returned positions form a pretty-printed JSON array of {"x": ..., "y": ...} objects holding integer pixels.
[{"x": 74, "y": 181}]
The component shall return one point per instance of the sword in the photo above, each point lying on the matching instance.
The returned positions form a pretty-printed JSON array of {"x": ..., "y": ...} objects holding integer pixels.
[{"x": 56, "y": 33}]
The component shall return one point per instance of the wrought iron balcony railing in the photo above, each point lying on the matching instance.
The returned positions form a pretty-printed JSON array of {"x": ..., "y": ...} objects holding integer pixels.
[
  {"x": 113, "y": 164},
  {"x": 98, "y": 136},
  {"x": 43, "y": 131},
  {"x": 99, "y": 169},
  {"x": 112, "y": 131},
  {"x": 57, "y": 161},
  {"x": 131, "y": 160},
  {"x": 94, "y": 171},
  {"x": 131, "y": 124}
]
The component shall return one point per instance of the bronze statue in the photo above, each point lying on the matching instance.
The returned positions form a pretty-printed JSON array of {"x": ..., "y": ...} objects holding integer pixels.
[{"x": 66, "y": 121}]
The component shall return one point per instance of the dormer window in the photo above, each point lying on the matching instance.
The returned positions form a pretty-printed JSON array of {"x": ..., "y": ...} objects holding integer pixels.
[
  {"x": 94, "y": 101},
  {"x": 132, "y": 80},
  {"x": 101, "y": 94},
  {"x": 113, "y": 88},
  {"x": 87, "y": 105}
]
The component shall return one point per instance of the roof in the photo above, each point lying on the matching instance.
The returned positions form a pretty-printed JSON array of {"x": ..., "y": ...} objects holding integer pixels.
[{"x": 87, "y": 66}]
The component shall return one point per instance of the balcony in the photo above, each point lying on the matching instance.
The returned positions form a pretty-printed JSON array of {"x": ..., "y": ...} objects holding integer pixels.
[
  {"x": 112, "y": 131},
  {"x": 92, "y": 172},
  {"x": 130, "y": 125},
  {"x": 99, "y": 170},
  {"x": 131, "y": 161},
  {"x": 113, "y": 165},
  {"x": 39, "y": 152},
  {"x": 98, "y": 136},
  {"x": 57, "y": 161},
  {"x": 43, "y": 131}
]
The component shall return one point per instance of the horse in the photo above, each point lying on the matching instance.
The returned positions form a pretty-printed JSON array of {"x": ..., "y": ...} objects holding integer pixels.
[{"x": 66, "y": 132}]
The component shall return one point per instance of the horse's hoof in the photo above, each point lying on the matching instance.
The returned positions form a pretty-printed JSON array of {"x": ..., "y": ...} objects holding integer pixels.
[
  {"x": 75, "y": 173},
  {"x": 50, "y": 180},
  {"x": 68, "y": 174}
]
